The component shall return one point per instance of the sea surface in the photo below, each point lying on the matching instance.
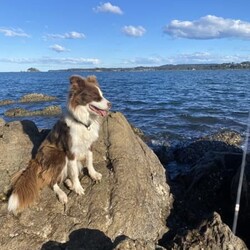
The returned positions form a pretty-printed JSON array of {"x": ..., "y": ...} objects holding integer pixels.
[{"x": 169, "y": 106}]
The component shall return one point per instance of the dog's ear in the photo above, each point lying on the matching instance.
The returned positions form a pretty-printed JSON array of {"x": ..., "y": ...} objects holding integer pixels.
[
  {"x": 77, "y": 82},
  {"x": 92, "y": 79}
]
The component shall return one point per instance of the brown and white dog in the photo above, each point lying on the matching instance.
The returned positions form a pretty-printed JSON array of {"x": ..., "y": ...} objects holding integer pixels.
[{"x": 59, "y": 157}]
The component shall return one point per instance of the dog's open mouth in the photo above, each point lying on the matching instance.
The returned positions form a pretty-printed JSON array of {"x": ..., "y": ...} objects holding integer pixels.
[{"x": 98, "y": 111}]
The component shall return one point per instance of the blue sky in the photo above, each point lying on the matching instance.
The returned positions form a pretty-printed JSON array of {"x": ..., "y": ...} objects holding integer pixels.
[{"x": 53, "y": 34}]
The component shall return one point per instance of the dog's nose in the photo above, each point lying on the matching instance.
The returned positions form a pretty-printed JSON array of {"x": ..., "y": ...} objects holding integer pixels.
[{"x": 109, "y": 105}]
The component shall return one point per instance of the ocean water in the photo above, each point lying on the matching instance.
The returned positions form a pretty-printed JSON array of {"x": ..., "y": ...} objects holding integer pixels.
[{"x": 167, "y": 105}]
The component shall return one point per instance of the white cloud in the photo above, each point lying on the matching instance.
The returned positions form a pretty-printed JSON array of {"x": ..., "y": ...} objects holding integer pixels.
[
  {"x": 133, "y": 31},
  {"x": 11, "y": 32},
  {"x": 145, "y": 61},
  {"x": 50, "y": 60},
  {"x": 206, "y": 57},
  {"x": 58, "y": 48},
  {"x": 108, "y": 7},
  {"x": 74, "y": 35},
  {"x": 69, "y": 35},
  {"x": 209, "y": 27}
]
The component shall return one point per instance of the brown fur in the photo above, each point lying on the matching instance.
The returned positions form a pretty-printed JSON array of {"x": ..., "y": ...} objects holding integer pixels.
[
  {"x": 27, "y": 191},
  {"x": 83, "y": 90},
  {"x": 46, "y": 168}
]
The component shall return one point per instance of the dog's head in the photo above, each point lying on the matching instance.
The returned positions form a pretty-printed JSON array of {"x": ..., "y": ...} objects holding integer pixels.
[{"x": 86, "y": 98}]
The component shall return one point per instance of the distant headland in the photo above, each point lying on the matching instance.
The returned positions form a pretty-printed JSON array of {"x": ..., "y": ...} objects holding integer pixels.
[{"x": 212, "y": 66}]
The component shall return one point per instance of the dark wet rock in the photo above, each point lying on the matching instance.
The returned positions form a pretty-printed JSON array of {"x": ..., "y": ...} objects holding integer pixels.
[
  {"x": 37, "y": 97},
  {"x": 165, "y": 153},
  {"x": 132, "y": 200},
  {"x": 6, "y": 102},
  {"x": 21, "y": 112},
  {"x": 209, "y": 185},
  {"x": 226, "y": 141}
]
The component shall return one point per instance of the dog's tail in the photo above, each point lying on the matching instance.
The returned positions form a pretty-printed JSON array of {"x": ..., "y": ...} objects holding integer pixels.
[{"x": 25, "y": 187}]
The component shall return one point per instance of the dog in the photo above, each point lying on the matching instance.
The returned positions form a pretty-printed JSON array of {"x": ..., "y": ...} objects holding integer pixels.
[{"x": 59, "y": 157}]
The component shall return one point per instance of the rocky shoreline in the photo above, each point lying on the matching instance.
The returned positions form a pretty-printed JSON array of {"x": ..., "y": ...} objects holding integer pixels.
[
  {"x": 52, "y": 110},
  {"x": 203, "y": 177},
  {"x": 21, "y": 112},
  {"x": 139, "y": 204},
  {"x": 32, "y": 97}
]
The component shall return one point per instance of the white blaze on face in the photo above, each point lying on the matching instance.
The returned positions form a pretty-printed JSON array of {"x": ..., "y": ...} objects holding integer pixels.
[{"x": 102, "y": 106}]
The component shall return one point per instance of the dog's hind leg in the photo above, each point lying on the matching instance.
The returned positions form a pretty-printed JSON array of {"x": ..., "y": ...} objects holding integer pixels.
[
  {"x": 92, "y": 172},
  {"x": 61, "y": 195}
]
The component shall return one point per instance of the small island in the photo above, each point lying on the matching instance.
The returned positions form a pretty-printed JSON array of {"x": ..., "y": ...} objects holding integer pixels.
[{"x": 33, "y": 70}]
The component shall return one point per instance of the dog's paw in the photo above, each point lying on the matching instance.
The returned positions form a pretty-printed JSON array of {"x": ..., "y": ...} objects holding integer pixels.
[
  {"x": 63, "y": 198},
  {"x": 96, "y": 176},
  {"x": 69, "y": 184},
  {"x": 78, "y": 189}
]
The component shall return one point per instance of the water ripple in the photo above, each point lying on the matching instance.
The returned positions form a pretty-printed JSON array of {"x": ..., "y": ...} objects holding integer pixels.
[{"x": 166, "y": 105}]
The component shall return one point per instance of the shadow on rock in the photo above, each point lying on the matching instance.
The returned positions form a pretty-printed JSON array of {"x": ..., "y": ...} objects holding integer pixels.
[
  {"x": 82, "y": 239},
  {"x": 35, "y": 136}
]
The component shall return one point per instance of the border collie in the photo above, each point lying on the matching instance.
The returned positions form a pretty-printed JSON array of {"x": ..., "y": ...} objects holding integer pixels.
[{"x": 60, "y": 155}]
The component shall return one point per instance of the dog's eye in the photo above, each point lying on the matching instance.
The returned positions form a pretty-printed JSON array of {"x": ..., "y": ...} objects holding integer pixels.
[{"x": 97, "y": 98}]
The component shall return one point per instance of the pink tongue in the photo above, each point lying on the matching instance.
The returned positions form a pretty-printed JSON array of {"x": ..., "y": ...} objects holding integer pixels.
[{"x": 103, "y": 112}]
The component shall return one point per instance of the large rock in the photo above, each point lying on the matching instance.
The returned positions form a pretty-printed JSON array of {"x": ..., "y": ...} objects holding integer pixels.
[
  {"x": 209, "y": 185},
  {"x": 132, "y": 200},
  {"x": 211, "y": 234}
]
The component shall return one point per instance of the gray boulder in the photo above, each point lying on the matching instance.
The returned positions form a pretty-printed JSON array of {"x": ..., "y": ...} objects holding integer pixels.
[
  {"x": 132, "y": 200},
  {"x": 211, "y": 234}
]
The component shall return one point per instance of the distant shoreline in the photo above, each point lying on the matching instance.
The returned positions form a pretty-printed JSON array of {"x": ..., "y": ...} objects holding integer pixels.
[
  {"x": 166, "y": 67},
  {"x": 212, "y": 66}
]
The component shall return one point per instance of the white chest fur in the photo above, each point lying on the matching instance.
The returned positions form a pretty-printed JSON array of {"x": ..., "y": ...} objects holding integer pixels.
[{"x": 82, "y": 137}]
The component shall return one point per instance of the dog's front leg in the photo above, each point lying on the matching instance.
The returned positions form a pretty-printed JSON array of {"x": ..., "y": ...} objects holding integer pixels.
[
  {"x": 92, "y": 172},
  {"x": 74, "y": 176}
]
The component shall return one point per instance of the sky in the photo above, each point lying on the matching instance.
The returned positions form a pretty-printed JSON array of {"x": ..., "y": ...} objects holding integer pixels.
[{"x": 53, "y": 34}]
